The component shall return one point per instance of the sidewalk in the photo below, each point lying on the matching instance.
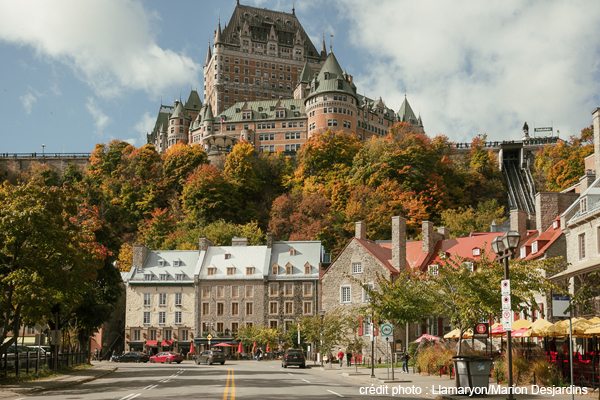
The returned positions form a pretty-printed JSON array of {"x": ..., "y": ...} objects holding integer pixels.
[
  {"x": 99, "y": 370},
  {"x": 434, "y": 386}
]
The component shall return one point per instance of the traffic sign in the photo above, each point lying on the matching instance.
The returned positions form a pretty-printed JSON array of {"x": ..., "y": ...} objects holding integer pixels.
[
  {"x": 387, "y": 338},
  {"x": 505, "y": 287},
  {"x": 55, "y": 335},
  {"x": 506, "y": 303},
  {"x": 507, "y": 320},
  {"x": 506, "y": 314},
  {"x": 387, "y": 330}
]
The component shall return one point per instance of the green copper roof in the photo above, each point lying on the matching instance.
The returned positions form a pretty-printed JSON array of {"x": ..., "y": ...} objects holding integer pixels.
[
  {"x": 193, "y": 102},
  {"x": 261, "y": 110},
  {"x": 331, "y": 79},
  {"x": 332, "y": 67},
  {"x": 307, "y": 74},
  {"x": 179, "y": 110},
  {"x": 161, "y": 121},
  {"x": 406, "y": 114}
]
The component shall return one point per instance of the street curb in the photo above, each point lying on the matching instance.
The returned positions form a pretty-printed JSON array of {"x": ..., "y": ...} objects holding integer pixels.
[{"x": 73, "y": 383}]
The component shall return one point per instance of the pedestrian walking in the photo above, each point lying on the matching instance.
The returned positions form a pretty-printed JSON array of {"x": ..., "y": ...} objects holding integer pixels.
[
  {"x": 258, "y": 354},
  {"x": 96, "y": 355},
  {"x": 341, "y": 357},
  {"x": 349, "y": 358},
  {"x": 404, "y": 358}
]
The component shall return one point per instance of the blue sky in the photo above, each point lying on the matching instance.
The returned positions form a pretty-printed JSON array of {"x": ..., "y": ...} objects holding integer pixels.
[{"x": 76, "y": 73}]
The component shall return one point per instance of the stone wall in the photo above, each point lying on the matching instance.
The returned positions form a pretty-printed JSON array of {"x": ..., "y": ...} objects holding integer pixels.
[
  {"x": 549, "y": 205},
  {"x": 297, "y": 299}
]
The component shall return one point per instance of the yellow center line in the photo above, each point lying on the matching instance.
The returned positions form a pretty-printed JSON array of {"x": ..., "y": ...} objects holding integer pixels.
[{"x": 230, "y": 384}]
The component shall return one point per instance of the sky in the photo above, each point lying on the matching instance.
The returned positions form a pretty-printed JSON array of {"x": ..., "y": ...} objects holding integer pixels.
[{"x": 76, "y": 73}]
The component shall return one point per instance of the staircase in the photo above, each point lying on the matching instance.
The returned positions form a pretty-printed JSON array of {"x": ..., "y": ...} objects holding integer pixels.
[{"x": 521, "y": 189}]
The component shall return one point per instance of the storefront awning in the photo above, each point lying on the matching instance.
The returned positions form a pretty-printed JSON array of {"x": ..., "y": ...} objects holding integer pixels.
[
  {"x": 151, "y": 343},
  {"x": 217, "y": 340},
  {"x": 166, "y": 343}
]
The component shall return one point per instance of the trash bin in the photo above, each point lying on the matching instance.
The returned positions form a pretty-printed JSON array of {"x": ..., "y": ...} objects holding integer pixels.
[{"x": 473, "y": 372}]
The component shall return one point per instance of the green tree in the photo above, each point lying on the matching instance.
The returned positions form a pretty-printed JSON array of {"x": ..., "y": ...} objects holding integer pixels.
[
  {"x": 48, "y": 252},
  {"x": 207, "y": 196},
  {"x": 465, "y": 220},
  {"x": 156, "y": 229},
  {"x": 179, "y": 161},
  {"x": 334, "y": 330}
]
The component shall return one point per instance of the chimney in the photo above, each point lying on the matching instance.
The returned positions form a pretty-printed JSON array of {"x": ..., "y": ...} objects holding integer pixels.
[
  {"x": 428, "y": 237},
  {"x": 140, "y": 252},
  {"x": 204, "y": 243},
  {"x": 549, "y": 205},
  {"x": 586, "y": 180},
  {"x": 518, "y": 221},
  {"x": 360, "y": 230},
  {"x": 399, "y": 243},
  {"x": 596, "y": 118},
  {"x": 445, "y": 232},
  {"x": 236, "y": 241},
  {"x": 270, "y": 240}
]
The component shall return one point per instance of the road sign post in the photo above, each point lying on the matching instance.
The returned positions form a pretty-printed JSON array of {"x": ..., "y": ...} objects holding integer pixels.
[{"x": 387, "y": 334}]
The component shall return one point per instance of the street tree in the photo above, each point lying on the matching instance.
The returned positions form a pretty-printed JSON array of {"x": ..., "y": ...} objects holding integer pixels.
[{"x": 48, "y": 253}]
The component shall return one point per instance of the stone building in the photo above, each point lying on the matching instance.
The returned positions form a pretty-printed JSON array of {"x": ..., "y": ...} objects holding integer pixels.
[
  {"x": 160, "y": 300},
  {"x": 265, "y": 83}
]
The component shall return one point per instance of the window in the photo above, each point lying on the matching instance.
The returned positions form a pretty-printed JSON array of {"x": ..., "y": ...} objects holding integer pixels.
[
  {"x": 220, "y": 309},
  {"x": 234, "y": 327},
  {"x": 235, "y": 309},
  {"x": 289, "y": 289},
  {"x": 147, "y": 277},
  {"x": 273, "y": 307},
  {"x": 164, "y": 277},
  {"x": 476, "y": 252},
  {"x": 356, "y": 268},
  {"x": 433, "y": 269},
  {"x": 205, "y": 292},
  {"x": 178, "y": 298},
  {"x": 583, "y": 205},
  {"x": 147, "y": 299},
  {"x": 308, "y": 307},
  {"x": 230, "y": 270},
  {"x": 220, "y": 291},
  {"x": 249, "y": 291},
  {"x": 136, "y": 335},
  {"x": 179, "y": 277},
  {"x": 162, "y": 317},
  {"x": 153, "y": 334},
  {"x": 366, "y": 294},
  {"x": 523, "y": 252},
  {"x": 273, "y": 324},
  {"x": 345, "y": 294},
  {"x": 178, "y": 317},
  {"x": 235, "y": 291},
  {"x": 146, "y": 317},
  {"x": 289, "y": 307},
  {"x": 582, "y": 246},
  {"x": 307, "y": 288},
  {"x": 184, "y": 335},
  {"x": 227, "y": 256},
  {"x": 249, "y": 309},
  {"x": 470, "y": 266},
  {"x": 161, "y": 263},
  {"x": 162, "y": 299},
  {"x": 249, "y": 270},
  {"x": 220, "y": 327},
  {"x": 273, "y": 289},
  {"x": 210, "y": 271},
  {"x": 205, "y": 308},
  {"x": 289, "y": 269},
  {"x": 307, "y": 269},
  {"x": 176, "y": 263},
  {"x": 275, "y": 269},
  {"x": 534, "y": 247}
]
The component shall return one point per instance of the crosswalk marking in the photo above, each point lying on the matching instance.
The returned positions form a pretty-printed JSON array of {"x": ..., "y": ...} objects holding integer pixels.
[{"x": 337, "y": 394}]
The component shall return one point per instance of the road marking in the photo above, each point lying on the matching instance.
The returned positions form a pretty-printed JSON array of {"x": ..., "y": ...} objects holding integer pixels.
[
  {"x": 150, "y": 387},
  {"x": 337, "y": 394},
  {"x": 290, "y": 374},
  {"x": 230, "y": 384},
  {"x": 130, "y": 396},
  {"x": 305, "y": 380}
]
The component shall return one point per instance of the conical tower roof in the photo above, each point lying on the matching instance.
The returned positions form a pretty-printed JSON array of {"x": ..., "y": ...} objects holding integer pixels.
[
  {"x": 406, "y": 114},
  {"x": 331, "y": 69},
  {"x": 208, "y": 114},
  {"x": 179, "y": 110},
  {"x": 218, "y": 35},
  {"x": 193, "y": 102},
  {"x": 307, "y": 74},
  {"x": 208, "y": 55}
]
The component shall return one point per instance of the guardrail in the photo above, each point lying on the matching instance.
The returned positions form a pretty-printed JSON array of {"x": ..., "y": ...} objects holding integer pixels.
[
  {"x": 45, "y": 155},
  {"x": 32, "y": 362}
]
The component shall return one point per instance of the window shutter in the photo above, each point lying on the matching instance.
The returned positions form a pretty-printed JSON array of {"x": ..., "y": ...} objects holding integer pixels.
[{"x": 360, "y": 326}]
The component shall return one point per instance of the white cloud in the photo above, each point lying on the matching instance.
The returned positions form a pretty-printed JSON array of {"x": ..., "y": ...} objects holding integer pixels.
[
  {"x": 108, "y": 43},
  {"x": 101, "y": 120},
  {"x": 28, "y": 101},
  {"x": 144, "y": 126},
  {"x": 474, "y": 66}
]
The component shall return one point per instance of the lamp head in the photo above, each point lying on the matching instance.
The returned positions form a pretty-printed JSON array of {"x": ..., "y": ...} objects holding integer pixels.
[
  {"x": 511, "y": 240},
  {"x": 498, "y": 245}
]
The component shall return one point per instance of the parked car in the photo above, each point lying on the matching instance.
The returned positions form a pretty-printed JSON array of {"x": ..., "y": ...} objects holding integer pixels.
[
  {"x": 293, "y": 357},
  {"x": 210, "y": 357},
  {"x": 133, "y": 356},
  {"x": 166, "y": 357},
  {"x": 40, "y": 349}
]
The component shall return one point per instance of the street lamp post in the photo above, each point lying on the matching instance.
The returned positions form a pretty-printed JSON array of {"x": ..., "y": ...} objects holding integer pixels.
[
  {"x": 43, "y": 150},
  {"x": 322, "y": 314},
  {"x": 505, "y": 246}
]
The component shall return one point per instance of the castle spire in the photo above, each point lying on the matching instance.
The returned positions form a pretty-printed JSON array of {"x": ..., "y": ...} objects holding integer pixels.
[
  {"x": 323, "y": 47},
  {"x": 208, "y": 54}
]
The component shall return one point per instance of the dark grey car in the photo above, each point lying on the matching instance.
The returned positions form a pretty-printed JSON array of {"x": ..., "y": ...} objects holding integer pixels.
[
  {"x": 294, "y": 357},
  {"x": 133, "y": 356},
  {"x": 211, "y": 357}
]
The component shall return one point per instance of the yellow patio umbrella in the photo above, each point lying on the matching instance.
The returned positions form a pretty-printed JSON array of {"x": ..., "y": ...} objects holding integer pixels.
[
  {"x": 579, "y": 327},
  {"x": 537, "y": 328},
  {"x": 452, "y": 334},
  {"x": 559, "y": 329},
  {"x": 520, "y": 324},
  {"x": 595, "y": 320},
  {"x": 594, "y": 329},
  {"x": 468, "y": 334}
]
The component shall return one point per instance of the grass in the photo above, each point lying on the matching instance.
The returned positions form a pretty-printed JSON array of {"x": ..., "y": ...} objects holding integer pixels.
[
  {"x": 45, "y": 373},
  {"x": 382, "y": 365}
]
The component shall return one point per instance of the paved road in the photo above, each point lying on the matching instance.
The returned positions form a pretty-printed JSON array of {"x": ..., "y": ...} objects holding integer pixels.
[{"x": 234, "y": 380}]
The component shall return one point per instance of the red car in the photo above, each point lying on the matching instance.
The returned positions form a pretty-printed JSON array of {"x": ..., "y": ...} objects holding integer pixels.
[{"x": 166, "y": 356}]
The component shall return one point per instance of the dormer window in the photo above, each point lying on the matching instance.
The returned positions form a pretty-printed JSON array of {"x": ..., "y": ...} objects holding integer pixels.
[
  {"x": 476, "y": 252},
  {"x": 249, "y": 270},
  {"x": 288, "y": 269},
  {"x": 470, "y": 266},
  {"x": 179, "y": 277},
  {"x": 210, "y": 271},
  {"x": 326, "y": 75},
  {"x": 275, "y": 269},
  {"x": 307, "y": 269},
  {"x": 556, "y": 224},
  {"x": 230, "y": 270},
  {"x": 583, "y": 205},
  {"x": 164, "y": 277},
  {"x": 433, "y": 269},
  {"x": 227, "y": 256},
  {"x": 147, "y": 277},
  {"x": 161, "y": 263},
  {"x": 292, "y": 252},
  {"x": 534, "y": 247},
  {"x": 176, "y": 263},
  {"x": 523, "y": 252}
]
